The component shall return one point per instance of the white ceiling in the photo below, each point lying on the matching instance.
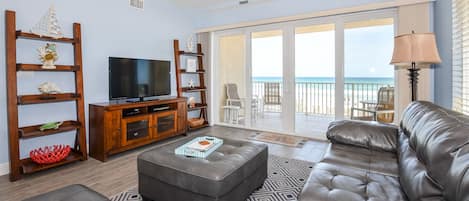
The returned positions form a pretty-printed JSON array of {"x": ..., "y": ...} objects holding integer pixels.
[
  {"x": 215, "y": 4},
  {"x": 203, "y": 3}
]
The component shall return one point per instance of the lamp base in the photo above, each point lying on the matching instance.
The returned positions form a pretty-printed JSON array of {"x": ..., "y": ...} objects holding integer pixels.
[{"x": 413, "y": 79}]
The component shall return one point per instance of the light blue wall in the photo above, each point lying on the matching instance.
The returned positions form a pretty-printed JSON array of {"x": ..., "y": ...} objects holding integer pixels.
[
  {"x": 271, "y": 9},
  {"x": 109, "y": 28},
  {"x": 443, "y": 71}
]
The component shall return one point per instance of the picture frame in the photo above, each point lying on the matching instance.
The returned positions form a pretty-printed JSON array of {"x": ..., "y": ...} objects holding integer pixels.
[{"x": 191, "y": 65}]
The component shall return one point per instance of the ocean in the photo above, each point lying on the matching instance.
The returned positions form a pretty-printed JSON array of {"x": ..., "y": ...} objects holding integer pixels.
[
  {"x": 316, "y": 95},
  {"x": 361, "y": 80}
]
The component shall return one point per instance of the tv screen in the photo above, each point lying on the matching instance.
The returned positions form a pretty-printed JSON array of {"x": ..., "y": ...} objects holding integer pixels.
[{"x": 138, "y": 78}]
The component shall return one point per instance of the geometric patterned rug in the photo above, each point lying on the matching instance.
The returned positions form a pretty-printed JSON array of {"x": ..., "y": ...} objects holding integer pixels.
[{"x": 286, "y": 177}]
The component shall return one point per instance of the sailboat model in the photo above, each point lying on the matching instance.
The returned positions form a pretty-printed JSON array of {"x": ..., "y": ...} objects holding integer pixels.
[{"x": 48, "y": 25}]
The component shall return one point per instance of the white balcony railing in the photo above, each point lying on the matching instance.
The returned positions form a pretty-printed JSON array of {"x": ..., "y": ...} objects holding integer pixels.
[{"x": 318, "y": 98}]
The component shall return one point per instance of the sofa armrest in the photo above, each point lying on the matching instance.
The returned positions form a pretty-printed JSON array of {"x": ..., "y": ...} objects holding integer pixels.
[{"x": 370, "y": 135}]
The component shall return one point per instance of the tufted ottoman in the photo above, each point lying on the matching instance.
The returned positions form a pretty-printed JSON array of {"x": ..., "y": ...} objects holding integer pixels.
[{"x": 231, "y": 173}]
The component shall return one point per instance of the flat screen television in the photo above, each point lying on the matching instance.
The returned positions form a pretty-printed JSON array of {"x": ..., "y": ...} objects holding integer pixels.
[{"x": 138, "y": 78}]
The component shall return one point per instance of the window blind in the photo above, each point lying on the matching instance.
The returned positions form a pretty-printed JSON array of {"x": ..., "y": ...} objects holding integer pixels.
[{"x": 461, "y": 56}]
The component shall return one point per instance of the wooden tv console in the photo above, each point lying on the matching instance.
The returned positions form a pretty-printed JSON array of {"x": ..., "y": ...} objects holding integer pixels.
[{"x": 119, "y": 126}]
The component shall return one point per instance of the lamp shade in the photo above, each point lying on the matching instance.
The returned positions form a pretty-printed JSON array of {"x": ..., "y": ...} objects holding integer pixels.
[{"x": 419, "y": 48}]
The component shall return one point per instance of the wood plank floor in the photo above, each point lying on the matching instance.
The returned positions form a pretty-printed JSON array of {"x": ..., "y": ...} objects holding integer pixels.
[{"x": 120, "y": 172}]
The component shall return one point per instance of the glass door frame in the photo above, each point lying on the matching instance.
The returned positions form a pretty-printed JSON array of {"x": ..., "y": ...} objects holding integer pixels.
[
  {"x": 288, "y": 29},
  {"x": 215, "y": 82}
]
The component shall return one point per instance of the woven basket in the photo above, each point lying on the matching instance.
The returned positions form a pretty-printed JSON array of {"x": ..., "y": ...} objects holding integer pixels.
[
  {"x": 50, "y": 154},
  {"x": 194, "y": 122}
]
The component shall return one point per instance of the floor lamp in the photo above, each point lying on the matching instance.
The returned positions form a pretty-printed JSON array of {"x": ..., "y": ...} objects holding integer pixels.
[{"x": 414, "y": 51}]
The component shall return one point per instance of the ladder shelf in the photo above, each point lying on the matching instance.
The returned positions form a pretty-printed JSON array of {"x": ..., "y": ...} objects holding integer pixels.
[
  {"x": 18, "y": 166},
  {"x": 201, "y": 89}
]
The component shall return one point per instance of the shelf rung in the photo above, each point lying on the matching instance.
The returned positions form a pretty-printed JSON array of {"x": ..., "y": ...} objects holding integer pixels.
[
  {"x": 198, "y": 106},
  {"x": 195, "y": 54},
  {"x": 199, "y": 127},
  {"x": 196, "y": 72},
  {"x": 38, "y": 67},
  {"x": 29, "y": 166},
  {"x": 32, "y": 36},
  {"x": 47, "y": 98},
  {"x": 193, "y": 89},
  {"x": 33, "y": 131}
]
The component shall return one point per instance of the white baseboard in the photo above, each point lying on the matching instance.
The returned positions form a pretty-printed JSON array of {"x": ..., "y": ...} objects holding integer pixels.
[{"x": 4, "y": 169}]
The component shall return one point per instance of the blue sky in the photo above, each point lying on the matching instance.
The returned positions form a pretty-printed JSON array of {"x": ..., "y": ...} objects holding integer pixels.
[{"x": 368, "y": 51}]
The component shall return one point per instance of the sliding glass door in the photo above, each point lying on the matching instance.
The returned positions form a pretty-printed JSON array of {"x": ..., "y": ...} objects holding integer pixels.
[
  {"x": 314, "y": 78},
  {"x": 297, "y": 77},
  {"x": 267, "y": 80},
  {"x": 230, "y": 79},
  {"x": 369, "y": 78}
]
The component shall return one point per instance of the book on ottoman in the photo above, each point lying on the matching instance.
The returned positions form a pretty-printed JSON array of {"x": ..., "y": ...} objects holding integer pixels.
[{"x": 199, "y": 147}]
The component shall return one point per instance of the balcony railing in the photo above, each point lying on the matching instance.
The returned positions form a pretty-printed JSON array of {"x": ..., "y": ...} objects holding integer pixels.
[{"x": 318, "y": 98}]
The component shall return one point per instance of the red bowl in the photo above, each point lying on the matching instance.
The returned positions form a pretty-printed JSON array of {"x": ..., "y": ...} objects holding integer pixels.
[{"x": 50, "y": 154}]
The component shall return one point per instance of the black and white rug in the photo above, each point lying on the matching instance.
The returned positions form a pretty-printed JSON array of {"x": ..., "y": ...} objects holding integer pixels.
[{"x": 284, "y": 183}]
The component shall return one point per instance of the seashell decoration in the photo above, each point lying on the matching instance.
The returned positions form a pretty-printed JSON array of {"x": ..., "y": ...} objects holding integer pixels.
[{"x": 49, "y": 88}]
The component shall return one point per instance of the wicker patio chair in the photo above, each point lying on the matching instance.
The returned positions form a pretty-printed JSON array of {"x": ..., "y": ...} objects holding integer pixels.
[
  {"x": 381, "y": 110},
  {"x": 272, "y": 95}
]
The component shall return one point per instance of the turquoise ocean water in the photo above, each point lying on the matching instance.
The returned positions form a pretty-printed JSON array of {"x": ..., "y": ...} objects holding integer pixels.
[{"x": 375, "y": 80}]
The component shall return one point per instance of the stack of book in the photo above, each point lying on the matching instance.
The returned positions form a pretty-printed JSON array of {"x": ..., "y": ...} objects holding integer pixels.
[{"x": 199, "y": 147}]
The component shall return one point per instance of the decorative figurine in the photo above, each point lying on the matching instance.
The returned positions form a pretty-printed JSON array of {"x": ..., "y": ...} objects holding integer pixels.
[
  {"x": 48, "y": 55},
  {"x": 48, "y": 25},
  {"x": 191, "y": 102},
  {"x": 49, "y": 88},
  {"x": 191, "y": 83},
  {"x": 52, "y": 125}
]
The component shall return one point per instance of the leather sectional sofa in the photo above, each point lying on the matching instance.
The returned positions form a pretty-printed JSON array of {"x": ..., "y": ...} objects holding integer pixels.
[{"x": 425, "y": 158}]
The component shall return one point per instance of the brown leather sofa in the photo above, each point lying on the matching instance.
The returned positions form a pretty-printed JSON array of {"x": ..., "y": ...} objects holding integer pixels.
[{"x": 425, "y": 158}]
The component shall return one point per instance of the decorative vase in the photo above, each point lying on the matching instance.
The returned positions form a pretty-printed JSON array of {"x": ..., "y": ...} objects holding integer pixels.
[
  {"x": 190, "y": 44},
  {"x": 191, "y": 102}
]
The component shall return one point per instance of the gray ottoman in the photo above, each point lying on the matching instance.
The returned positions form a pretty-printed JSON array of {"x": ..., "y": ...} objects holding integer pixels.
[
  {"x": 76, "y": 192},
  {"x": 231, "y": 173}
]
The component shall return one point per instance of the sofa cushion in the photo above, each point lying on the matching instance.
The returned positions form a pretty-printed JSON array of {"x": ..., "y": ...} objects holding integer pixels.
[
  {"x": 364, "y": 159},
  {"x": 341, "y": 183},
  {"x": 435, "y": 135},
  {"x": 213, "y": 176},
  {"x": 370, "y": 135},
  {"x": 414, "y": 178},
  {"x": 458, "y": 185}
]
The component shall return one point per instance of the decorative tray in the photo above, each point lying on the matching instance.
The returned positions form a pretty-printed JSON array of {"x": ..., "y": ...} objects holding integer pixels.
[{"x": 199, "y": 147}]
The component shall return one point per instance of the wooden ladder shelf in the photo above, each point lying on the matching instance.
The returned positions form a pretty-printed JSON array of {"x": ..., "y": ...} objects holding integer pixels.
[
  {"x": 200, "y": 72},
  {"x": 19, "y": 166}
]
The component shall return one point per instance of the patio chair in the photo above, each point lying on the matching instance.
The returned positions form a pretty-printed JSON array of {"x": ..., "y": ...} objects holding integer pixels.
[
  {"x": 234, "y": 108},
  {"x": 272, "y": 95},
  {"x": 381, "y": 110}
]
